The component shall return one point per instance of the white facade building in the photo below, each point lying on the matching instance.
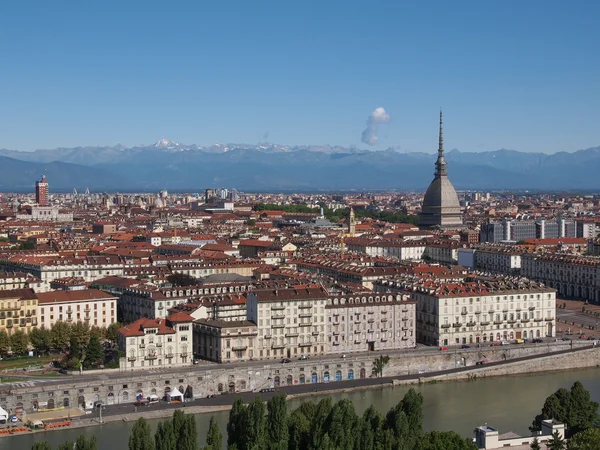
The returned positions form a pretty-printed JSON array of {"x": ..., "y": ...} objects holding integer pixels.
[{"x": 90, "y": 306}]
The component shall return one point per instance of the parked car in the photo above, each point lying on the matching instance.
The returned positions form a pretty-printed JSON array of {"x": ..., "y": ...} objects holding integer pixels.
[
  {"x": 63, "y": 371},
  {"x": 565, "y": 339},
  {"x": 142, "y": 403},
  {"x": 465, "y": 346},
  {"x": 344, "y": 355},
  {"x": 495, "y": 344},
  {"x": 505, "y": 343},
  {"x": 443, "y": 349},
  {"x": 303, "y": 357},
  {"x": 196, "y": 361},
  {"x": 583, "y": 336},
  {"x": 267, "y": 390},
  {"x": 519, "y": 341},
  {"x": 591, "y": 338},
  {"x": 537, "y": 341},
  {"x": 285, "y": 361},
  {"x": 481, "y": 362},
  {"x": 211, "y": 395}
]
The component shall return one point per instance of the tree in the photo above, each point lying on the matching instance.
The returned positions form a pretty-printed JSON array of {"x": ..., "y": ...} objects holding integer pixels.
[
  {"x": 379, "y": 364},
  {"x": 535, "y": 444},
  {"x": 60, "y": 336},
  {"x": 585, "y": 440},
  {"x": 80, "y": 336},
  {"x": 574, "y": 408},
  {"x": 255, "y": 430},
  {"x": 83, "y": 443},
  {"x": 182, "y": 279},
  {"x": 236, "y": 422},
  {"x": 18, "y": 342},
  {"x": 41, "y": 339},
  {"x": 27, "y": 245},
  {"x": 165, "y": 438},
  {"x": 444, "y": 440},
  {"x": 94, "y": 355},
  {"x": 299, "y": 429},
  {"x": 141, "y": 436},
  {"x": 277, "y": 426},
  {"x": 69, "y": 445},
  {"x": 188, "y": 440},
  {"x": 214, "y": 438},
  {"x": 342, "y": 424},
  {"x": 251, "y": 222},
  {"x": 112, "y": 332},
  {"x": 41, "y": 446},
  {"x": 556, "y": 442},
  {"x": 4, "y": 343}
]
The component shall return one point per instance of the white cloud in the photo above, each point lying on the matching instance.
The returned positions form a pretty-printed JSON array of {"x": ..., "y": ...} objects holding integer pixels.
[{"x": 377, "y": 117}]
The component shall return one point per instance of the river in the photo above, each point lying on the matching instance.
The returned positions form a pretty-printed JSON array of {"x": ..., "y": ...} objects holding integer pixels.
[{"x": 506, "y": 403}]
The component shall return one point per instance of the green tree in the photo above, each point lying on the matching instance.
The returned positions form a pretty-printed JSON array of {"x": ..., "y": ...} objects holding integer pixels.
[
  {"x": 556, "y": 442},
  {"x": 85, "y": 443},
  {"x": 4, "y": 343},
  {"x": 60, "y": 336},
  {"x": 41, "y": 339},
  {"x": 444, "y": 440},
  {"x": 27, "y": 245},
  {"x": 41, "y": 446},
  {"x": 277, "y": 426},
  {"x": 574, "y": 408},
  {"x": 535, "y": 444},
  {"x": 299, "y": 429},
  {"x": 98, "y": 332},
  {"x": 585, "y": 440},
  {"x": 94, "y": 355},
  {"x": 379, "y": 364},
  {"x": 141, "y": 436},
  {"x": 235, "y": 423},
  {"x": 214, "y": 438},
  {"x": 182, "y": 279},
  {"x": 251, "y": 222},
  {"x": 342, "y": 424},
  {"x": 165, "y": 437},
  {"x": 18, "y": 342},
  {"x": 255, "y": 430},
  {"x": 318, "y": 423},
  {"x": 188, "y": 440},
  {"x": 112, "y": 332},
  {"x": 80, "y": 336},
  {"x": 69, "y": 445}
]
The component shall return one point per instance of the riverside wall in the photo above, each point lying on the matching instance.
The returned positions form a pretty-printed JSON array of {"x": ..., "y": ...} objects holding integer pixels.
[{"x": 200, "y": 381}]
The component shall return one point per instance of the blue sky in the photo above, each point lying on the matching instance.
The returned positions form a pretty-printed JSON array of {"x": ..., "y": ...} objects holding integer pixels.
[{"x": 514, "y": 74}]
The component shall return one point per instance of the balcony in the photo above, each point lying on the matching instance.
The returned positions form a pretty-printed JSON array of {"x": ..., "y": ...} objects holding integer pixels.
[
  {"x": 142, "y": 345},
  {"x": 304, "y": 306},
  {"x": 278, "y": 326},
  {"x": 532, "y": 308},
  {"x": 457, "y": 325},
  {"x": 549, "y": 319},
  {"x": 383, "y": 339},
  {"x": 512, "y": 321},
  {"x": 305, "y": 344},
  {"x": 524, "y": 320},
  {"x": 336, "y": 333},
  {"x": 305, "y": 324},
  {"x": 169, "y": 355},
  {"x": 291, "y": 334},
  {"x": 498, "y": 322},
  {"x": 159, "y": 344},
  {"x": 463, "y": 313},
  {"x": 384, "y": 330},
  {"x": 538, "y": 320},
  {"x": 405, "y": 338},
  {"x": 404, "y": 309},
  {"x": 315, "y": 333},
  {"x": 405, "y": 328},
  {"x": 267, "y": 336},
  {"x": 161, "y": 307},
  {"x": 484, "y": 323},
  {"x": 518, "y": 309},
  {"x": 87, "y": 309},
  {"x": 131, "y": 358},
  {"x": 371, "y": 320},
  {"x": 445, "y": 325},
  {"x": 306, "y": 315},
  {"x": 471, "y": 324},
  {"x": 357, "y": 341},
  {"x": 278, "y": 317},
  {"x": 384, "y": 319},
  {"x": 335, "y": 343},
  {"x": 357, "y": 322},
  {"x": 151, "y": 356},
  {"x": 491, "y": 311},
  {"x": 477, "y": 312},
  {"x": 8, "y": 308},
  {"x": 277, "y": 307},
  {"x": 356, "y": 331},
  {"x": 239, "y": 347}
]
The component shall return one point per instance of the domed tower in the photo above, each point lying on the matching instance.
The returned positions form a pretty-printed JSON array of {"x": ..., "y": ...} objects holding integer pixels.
[{"x": 441, "y": 208}]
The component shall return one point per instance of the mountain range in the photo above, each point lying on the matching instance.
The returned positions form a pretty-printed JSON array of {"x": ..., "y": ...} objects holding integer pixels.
[{"x": 272, "y": 167}]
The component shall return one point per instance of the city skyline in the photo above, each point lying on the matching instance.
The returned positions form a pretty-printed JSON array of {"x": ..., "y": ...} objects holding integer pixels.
[{"x": 301, "y": 75}]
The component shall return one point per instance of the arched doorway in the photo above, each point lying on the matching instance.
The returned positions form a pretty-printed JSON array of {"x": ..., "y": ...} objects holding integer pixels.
[
  {"x": 243, "y": 385},
  {"x": 189, "y": 392},
  {"x": 66, "y": 402},
  {"x": 50, "y": 403},
  {"x": 314, "y": 378},
  {"x": 351, "y": 374},
  {"x": 220, "y": 387},
  {"x": 363, "y": 373},
  {"x": 81, "y": 401},
  {"x": 290, "y": 380},
  {"x": 276, "y": 381},
  {"x": 326, "y": 377},
  {"x": 110, "y": 399},
  {"x": 338, "y": 375},
  {"x": 124, "y": 396},
  {"x": 302, "y": 379},
  {"x": 232, "y": 387},
  {"x": 166, "y": 392},
  {"x": 139, "y": 396},
  {"x": 550, "y": 329}
]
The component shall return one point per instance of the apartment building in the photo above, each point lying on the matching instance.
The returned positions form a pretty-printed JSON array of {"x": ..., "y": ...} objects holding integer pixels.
[
  {"x": 13, "y": 280},
  {"x": 157, "y": 343},
  {"x": 499, "y": 259},
  {"x": 403, "y": 250},
  {"x": 478, "y": 309},
  {"x": 370, "y": 322},
  {"x": 90, "y": 306},
  {"x": 18, "y": 310},
  {"x": 225, "y": 340},
  {"x": 47, "y": 269},
  {"x": 291, "y": 322},
  {"x": 572, "y": 276}
]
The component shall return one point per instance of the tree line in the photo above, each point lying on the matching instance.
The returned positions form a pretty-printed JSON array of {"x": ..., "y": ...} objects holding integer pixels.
[
  {"x": 322, "y": 426},
  {"x": 78, "y": 343}
]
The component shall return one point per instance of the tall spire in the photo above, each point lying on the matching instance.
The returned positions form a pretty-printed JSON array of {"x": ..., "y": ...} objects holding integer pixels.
[{"x": 440, "y": 164}]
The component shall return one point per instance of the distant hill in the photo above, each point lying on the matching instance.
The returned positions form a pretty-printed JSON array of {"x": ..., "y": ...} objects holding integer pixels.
[{"x": 271, "y": 167}]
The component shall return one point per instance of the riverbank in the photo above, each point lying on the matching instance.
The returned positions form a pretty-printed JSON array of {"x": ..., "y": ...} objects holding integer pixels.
[{"x": 546, "y": 363}]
